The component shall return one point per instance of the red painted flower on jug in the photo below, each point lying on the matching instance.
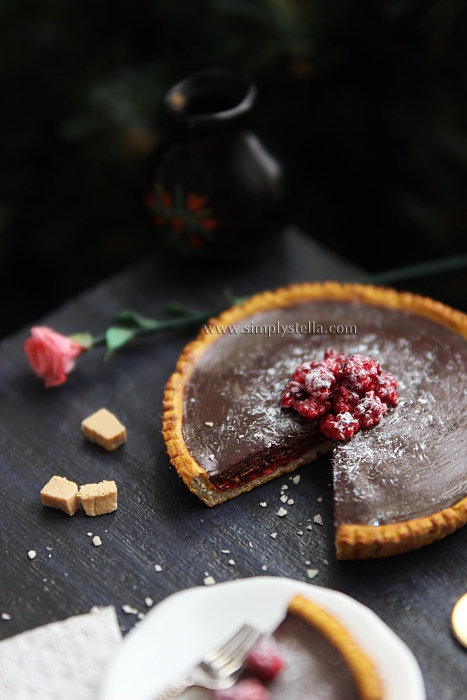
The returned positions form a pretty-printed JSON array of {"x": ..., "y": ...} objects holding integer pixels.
[{"x": 186, "y": 221}]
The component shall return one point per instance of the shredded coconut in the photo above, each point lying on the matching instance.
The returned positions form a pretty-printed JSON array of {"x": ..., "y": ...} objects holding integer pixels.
[{"x": 129, "y": 610}]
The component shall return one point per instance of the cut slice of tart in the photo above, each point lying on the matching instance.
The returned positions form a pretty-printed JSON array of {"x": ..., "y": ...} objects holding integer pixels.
[
  {"x": 398, "y": 485},
  {"x": 321, "y": 658}
]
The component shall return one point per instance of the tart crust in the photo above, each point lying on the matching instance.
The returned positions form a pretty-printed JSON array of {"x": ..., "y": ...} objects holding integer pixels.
[
  {"x": 353, "y": 541},
  {"x": 360, "y": 665}
]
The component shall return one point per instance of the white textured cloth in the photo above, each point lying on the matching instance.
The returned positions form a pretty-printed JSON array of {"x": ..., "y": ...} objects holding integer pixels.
[{"x": 60, "y": 660}]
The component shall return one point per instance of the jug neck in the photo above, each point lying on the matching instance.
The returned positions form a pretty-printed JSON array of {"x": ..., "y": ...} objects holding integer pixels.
[{"x": 210, "y": 98}]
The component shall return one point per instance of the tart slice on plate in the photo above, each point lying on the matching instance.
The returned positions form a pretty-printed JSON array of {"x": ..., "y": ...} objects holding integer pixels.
[
  {"x": 318, "y": 632},
  {"x": 310, "y": 654},
  {"x": 399, "y": 484}
]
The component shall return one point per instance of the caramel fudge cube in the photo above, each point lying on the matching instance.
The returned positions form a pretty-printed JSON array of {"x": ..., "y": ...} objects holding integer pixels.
[
  {"x": 98, "y": 499},
  {"x": 104, "y": 429},
  {"x": 62, "y": 494}
]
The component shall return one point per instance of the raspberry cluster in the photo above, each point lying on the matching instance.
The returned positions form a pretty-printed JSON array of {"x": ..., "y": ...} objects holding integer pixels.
[
  {"x": 345, "y": 393},
  {"x": 264, "y": 663}
]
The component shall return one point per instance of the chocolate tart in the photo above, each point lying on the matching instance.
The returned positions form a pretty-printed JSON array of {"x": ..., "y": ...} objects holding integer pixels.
[
  {"x": 397, "y": 486},
  {"x": 321, "y": 658}
]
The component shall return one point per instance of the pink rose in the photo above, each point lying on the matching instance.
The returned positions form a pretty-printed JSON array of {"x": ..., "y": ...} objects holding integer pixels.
[{"x": 51, "y": 355}]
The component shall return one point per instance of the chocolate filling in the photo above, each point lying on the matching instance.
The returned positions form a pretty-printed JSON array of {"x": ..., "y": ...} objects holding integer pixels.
[
  {"x": 410, "y": 465},
  {"x": 314, "y": 668}
]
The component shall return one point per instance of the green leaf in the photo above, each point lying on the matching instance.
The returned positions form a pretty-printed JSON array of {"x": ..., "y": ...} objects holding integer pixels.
[
  {"x": 116, "y": 337},
  {"x": 84, "y": 339},
  {"x": 131, "y": 319}
]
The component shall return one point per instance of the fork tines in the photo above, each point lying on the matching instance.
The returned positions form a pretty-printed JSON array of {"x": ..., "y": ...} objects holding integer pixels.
[{"x": 230, "y": 657}]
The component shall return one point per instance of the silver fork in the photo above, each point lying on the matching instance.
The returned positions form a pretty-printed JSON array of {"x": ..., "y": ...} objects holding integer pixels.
[{"x": 219, "y": 668}]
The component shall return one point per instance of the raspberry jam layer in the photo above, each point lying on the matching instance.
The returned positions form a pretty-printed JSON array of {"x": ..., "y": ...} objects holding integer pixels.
[{"x": 410, "y": 465}]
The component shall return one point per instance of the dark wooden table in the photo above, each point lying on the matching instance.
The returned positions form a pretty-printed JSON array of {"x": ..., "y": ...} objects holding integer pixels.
[{"x": 158, "y": 520}]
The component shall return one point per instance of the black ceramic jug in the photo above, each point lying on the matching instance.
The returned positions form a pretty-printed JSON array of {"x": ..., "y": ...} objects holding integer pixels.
[{"x": 216, "y": 191}]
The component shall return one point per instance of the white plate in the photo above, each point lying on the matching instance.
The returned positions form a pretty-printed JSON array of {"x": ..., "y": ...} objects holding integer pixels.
[{"x": 176, "y": 633}]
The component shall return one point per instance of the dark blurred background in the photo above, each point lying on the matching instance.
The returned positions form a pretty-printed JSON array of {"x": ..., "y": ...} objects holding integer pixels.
[{"x": 368, "y": 100}]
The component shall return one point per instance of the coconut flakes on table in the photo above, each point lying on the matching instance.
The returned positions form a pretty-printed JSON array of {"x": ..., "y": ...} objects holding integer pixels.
[
  {"x": 312, "y": 573},
  {"x": 129, "y": 610}
]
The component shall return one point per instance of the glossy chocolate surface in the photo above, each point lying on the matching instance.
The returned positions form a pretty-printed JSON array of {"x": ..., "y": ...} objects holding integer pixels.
[
  {"x": 314, "y": 668},
  {"x": 410, "y": 465}
]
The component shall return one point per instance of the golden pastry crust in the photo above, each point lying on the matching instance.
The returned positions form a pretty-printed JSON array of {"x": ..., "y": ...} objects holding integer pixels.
[
  {"x": 353, "y": 541},
  {"x": 360, "y": 665},
  {"x": 370, "y": 542}
]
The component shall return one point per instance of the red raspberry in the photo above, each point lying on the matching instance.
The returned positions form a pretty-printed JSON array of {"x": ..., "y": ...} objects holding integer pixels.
[
  {"x": 287, "y": 400},
  {"x": 340, "y": 427},
  {"x": 309, "y": 408},
  {"x": 333, "y": 361},
  {"x": 370, "y": 410},
  {"x": 353, "y": 391},
  {"x": 265, "y": 661},
  {"x": 293, "y": 392},
  {"x": 319, "y": 382},
  {"x": 301, "y": 371},
  {"x": 360, "y": 373},
  {"x": 249, "y": 689},
  {"x": 386, "y": 388},
  {"x": 344, "y": 400}
]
